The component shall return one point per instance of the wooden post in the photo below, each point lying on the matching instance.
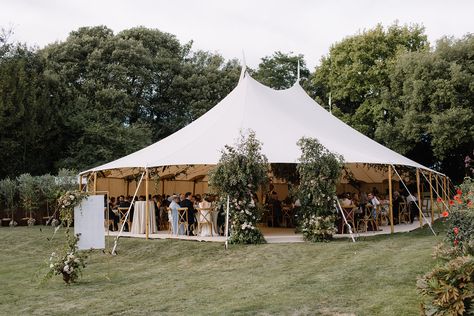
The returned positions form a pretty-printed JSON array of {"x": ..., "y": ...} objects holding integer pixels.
[
  {"x": 431, "y": 199},
  {"x": 419, "y": 195},
  {"x": 95, "y": 182},
  {"x": 390, "y": 198},
  {"x": 147, "y": 228},
  {"x": 80, "y": 182},
  {"x": 437, "y": 196},
  {"x": 445, "y": 193}
]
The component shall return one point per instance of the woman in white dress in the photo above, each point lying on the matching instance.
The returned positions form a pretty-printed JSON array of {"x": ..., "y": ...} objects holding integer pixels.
[{"x": 203, "y": 215}]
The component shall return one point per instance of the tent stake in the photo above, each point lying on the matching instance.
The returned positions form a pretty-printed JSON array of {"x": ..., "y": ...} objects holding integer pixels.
[
  {"x": 404, "y": 185},
  {"x": 420, "y": 205},
  {"x": 345, "y": 220},
  {"x": 126, "y": 215},
  {"x": 431, "y": 198}
]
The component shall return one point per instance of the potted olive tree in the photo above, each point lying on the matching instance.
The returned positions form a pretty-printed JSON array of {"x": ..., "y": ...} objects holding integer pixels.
[
  {"x": 29, "y": 195},
  {"x": 8, "y": 191}
]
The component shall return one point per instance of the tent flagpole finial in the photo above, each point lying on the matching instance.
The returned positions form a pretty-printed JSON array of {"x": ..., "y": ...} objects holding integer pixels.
[
  {"x": 298, "y": 72},
  {"x": 244, "y": 67}
]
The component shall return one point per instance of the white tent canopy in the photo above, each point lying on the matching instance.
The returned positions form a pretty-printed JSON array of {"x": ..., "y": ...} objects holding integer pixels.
[{"x": 278, "y": 117}]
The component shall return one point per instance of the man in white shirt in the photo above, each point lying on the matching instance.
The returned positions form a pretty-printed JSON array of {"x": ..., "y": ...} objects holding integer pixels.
[{"x": 375, "y": 203}]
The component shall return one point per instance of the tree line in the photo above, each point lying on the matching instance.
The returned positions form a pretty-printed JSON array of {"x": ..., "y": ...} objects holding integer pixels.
[{"x": 97, "y": 96}]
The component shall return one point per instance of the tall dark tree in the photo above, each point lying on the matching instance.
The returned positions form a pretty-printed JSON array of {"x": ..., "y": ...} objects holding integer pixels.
[{"x": 31, "y": 104}]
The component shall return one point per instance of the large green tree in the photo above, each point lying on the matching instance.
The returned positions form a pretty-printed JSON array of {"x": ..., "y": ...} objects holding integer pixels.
[
  {"x": 429, "y": 105},
  {"x": 31, "y": 107},
  {"x": 356, "y": 72},
  {"x": 280, "y": 70}
]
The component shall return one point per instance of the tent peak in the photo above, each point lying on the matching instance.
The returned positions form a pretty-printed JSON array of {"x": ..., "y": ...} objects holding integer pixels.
[{"x": 244, "y": 67}]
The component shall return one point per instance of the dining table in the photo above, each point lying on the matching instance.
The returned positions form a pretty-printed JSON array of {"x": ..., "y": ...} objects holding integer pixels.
[{"x": 139, "y": 218}]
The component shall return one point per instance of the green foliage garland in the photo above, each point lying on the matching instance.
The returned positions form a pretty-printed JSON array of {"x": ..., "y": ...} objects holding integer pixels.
[
  {"x": 319, "y": 170},
  {"x": 239, "y": 173}
]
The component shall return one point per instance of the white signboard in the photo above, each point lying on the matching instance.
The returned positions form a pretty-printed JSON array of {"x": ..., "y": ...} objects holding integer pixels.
[{"x": 89, "y": 222}]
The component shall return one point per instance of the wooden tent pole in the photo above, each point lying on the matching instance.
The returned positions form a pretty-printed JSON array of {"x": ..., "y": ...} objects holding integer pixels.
[
  {"x": 419, "y": 196},
  {"x": 390, "y": 198},
  {"x": 95, "y": 182},
  {"x": 80, "y": 182},
  {"x": 445, "y": 194},
  {"x": 147, "y": 228},
  {"x": 437, "y": 196},
  {"x": 431, "y": 199}
]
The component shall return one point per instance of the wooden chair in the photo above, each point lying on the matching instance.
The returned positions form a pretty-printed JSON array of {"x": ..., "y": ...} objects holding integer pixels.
[
  {"x": 183, "y": 219},
  {"x": 122, "y": 212},
  {"x": 366, "y": 220},
  {"x": 349, "y": 214},
  {"x": 268, "y": 214},
  {"x": 403, "y": 214},
  {"x": 204, "y": 216},
  {"x": 383, "y": 214},
  {"x": 287, "y": 215}
]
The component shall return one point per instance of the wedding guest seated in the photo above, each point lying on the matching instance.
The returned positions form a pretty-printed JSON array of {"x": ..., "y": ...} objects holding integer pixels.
[
  {"x": 346, "y": 200},
  {"x": 412, "y": 207},
  {"x": 125, "y": 203},
  {"x": 396, "y": 199},
  {"x": 375, "y": 205},
  {"x": 112, "y": 215},
  {"x": 204, "y": 218}
]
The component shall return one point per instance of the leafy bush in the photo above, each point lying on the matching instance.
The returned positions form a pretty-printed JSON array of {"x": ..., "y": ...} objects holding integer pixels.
[
  {"x": 449, "y": 288},
  {"x": 319, "y": 171},
  {"x": 239, "y": 173}
]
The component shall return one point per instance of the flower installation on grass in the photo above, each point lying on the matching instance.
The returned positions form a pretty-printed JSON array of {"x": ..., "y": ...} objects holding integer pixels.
[
  {"x": 240, "y": 172},
  {"x": 319, "y": 171},
  {"x": 69, "y": 261}
]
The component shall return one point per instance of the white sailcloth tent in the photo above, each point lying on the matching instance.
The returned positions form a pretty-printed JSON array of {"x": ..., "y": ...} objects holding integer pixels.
[{"x": 278, "y": 117}]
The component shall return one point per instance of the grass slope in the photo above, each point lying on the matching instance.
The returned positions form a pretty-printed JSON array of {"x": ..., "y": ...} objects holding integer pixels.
[{"x": 373, "y": 276}]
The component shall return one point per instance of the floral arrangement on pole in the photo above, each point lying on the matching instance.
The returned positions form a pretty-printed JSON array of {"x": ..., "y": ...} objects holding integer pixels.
[
  {"x": 66, "y": 204},
  {"x": 240, "y": 172},
  {"x": 68, "y": 262},
  {"x": 320, "y": 171},
  {"x": 449, "y": 288}
]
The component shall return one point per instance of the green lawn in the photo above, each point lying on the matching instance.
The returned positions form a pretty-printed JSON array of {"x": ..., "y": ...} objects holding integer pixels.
[{"x": 375, "y": 276}]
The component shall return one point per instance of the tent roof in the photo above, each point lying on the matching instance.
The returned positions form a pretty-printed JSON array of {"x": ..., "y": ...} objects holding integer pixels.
[{"x": 278, "y": 117}]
